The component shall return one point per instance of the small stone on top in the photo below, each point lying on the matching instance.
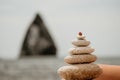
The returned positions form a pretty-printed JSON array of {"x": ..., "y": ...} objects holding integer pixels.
[
  {"x": 80, "y": 33},
  {"x": 80, "y": 36}
]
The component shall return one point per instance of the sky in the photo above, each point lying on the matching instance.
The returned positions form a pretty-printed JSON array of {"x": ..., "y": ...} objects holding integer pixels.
[{"x": 99, "y": 20}]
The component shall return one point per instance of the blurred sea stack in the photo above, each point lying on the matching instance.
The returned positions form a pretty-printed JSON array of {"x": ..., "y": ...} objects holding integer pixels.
[{"x": 38, "y": 40}]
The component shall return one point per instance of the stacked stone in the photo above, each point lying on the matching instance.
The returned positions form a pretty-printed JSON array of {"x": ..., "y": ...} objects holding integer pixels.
[{"x": 81, "y": 61}]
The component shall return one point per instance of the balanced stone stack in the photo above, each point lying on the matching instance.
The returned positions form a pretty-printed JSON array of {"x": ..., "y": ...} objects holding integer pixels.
[{"x": 80, "y": 62}]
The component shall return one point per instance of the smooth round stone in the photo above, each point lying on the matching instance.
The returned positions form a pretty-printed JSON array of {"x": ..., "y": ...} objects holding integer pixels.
[
  {"x": 77, "y": 42},
  {"x": 81, "y": 50},
  {"x": 80, "y": 72},
  {"x": 81, "y": 37},
  {"x": 75, "y": 59}
]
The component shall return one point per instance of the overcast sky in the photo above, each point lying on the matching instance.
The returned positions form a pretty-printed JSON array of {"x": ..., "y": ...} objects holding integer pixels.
[{"x": 98, "y": 19}]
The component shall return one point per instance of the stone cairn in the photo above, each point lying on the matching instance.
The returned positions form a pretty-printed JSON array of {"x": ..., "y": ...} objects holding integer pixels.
[{"x": 80, "y": 62}]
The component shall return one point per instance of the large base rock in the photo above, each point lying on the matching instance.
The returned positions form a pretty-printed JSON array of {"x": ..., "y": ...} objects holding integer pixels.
[{"x": 80, "y": 72}]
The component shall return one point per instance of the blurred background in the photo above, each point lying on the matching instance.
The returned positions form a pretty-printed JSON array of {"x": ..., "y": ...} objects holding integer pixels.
[{"x": 35, "y": 35}]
